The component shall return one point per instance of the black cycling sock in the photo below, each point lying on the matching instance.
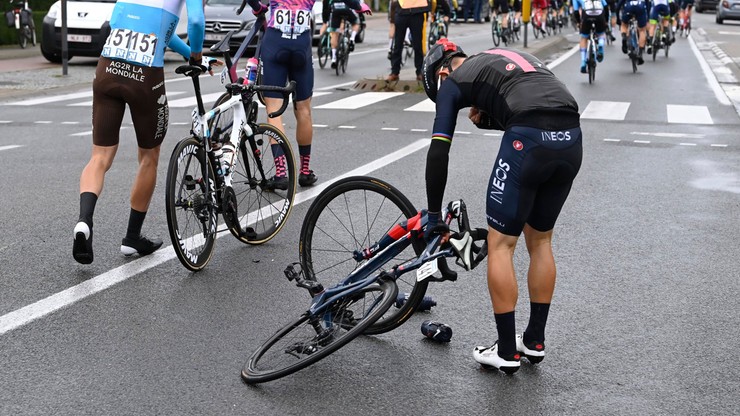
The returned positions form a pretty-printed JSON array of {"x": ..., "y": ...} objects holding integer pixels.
[
  {"x": 537, "y": 319},
  {"x": 506, "y": 327},
  {"x": 135, "y": 221},
  {"x": 87, "y": 207}
]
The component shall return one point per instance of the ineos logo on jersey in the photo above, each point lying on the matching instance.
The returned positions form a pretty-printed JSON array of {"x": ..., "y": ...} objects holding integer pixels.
[
  {"x": 498, "y": 181},
  {"x": 555, "y": 136}
]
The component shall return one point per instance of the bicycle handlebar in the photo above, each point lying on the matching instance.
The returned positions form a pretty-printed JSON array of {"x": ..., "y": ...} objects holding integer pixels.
[
  {"x": 289, "y": 88},
  {"x": 241, "y": 8}
]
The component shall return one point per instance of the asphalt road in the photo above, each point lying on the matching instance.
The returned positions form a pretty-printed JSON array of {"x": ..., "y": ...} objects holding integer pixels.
[{"x": 642, "y": 322}]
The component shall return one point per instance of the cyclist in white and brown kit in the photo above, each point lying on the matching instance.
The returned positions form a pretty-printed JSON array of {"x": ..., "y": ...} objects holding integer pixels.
[
  {"x": 539, "y": 156},
  {"x": 130, "y": 72}
]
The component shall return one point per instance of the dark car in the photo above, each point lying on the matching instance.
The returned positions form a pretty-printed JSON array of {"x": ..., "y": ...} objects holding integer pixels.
[{"x": 701, "y": 5}]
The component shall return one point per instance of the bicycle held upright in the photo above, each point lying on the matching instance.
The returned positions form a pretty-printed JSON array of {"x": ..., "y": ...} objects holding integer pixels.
[
  {"x": 228, "y": 165},
  {"x": 20, "y": 17}
]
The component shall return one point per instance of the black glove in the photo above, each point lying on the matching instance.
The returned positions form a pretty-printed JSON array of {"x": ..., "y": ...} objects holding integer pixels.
[{"x": 434, "y": 227}]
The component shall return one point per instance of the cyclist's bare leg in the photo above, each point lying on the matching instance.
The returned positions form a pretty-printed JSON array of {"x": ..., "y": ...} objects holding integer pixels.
[
  {"x": 502, "y": 285},
  {"x": 542, "y": 271},
  {"x": 93, "y": 175},
  {"x": 146, "y": 179},
  {"x": 304, "y": 122}
]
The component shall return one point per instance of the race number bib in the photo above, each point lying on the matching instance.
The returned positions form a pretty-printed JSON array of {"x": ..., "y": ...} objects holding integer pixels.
[
  {"x": 130, "y": 46},
  {"x": 292, "y": 22},
  {"x": 593, "y": 7}
]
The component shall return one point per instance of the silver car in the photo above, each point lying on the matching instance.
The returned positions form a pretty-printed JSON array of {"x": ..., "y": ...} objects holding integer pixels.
[
  {"x": 727, "y": 10},
  {"x": 221, "y": 18}
]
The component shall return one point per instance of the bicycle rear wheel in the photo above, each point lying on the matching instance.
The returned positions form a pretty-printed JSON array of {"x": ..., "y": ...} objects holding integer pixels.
[
  {"x": 311, "y": 338},
  {"x": 190, "y": 204},
  {"x": 495, "y": 33},
  {"x": 23, "y": 35},
  {"x": 591, "y": 64},
  {"x": 323, "y": 51},
  {"x": 352, "y": 215}
]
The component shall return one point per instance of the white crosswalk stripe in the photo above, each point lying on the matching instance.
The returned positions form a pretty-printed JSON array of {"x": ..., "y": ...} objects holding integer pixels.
[
  {"x": 360, "y": 100},
  {"x": 605, "y": 110},
  {"x": 691, "y": 114}
]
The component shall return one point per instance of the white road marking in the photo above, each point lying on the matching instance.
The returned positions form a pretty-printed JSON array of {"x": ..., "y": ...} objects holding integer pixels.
[
  {"x": 718, "y": 145},
  {"x": 676, "y": 135},
  {"x": 5, "y": 121},
  {"x": 346, "y": 127},
  {"x": 722, "y": 32},
  {"x": 419, "y": 130},
  {"x": 493, "y": 134},
  {"x": 643, "y": 141},
  {"x": 389, "y": 128},
  {"x": 70, "y": 122},
  {"x": 426, "y": 106},
  {"x": 612, "y": 140},
  {"x": 74, "y": 294},
  {"x": 42, "y": 122},
  {"x": 12, "y": 146},
  {"x": 320, "y": 125},
  {"x": 688, "y": 114},
  {"x": 687, "y": 144},
  {"x": 606, "y": 110},
  {"x": 563, "y": 57},
  {"x": 53, "y": 99},
  {"x": 360, "y": 100},
  {"x": 719, "y": 93}
]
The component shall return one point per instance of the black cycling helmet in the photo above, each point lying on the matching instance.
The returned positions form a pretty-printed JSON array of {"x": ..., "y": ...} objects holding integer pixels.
[{"x": 439, "y": 55}]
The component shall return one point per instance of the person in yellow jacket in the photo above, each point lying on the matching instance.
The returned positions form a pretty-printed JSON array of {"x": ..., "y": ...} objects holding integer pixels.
[{"x": 410, "y": 15}]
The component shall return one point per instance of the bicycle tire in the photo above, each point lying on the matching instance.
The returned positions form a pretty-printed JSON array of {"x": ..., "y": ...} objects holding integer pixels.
[
  {"x": 656, "y": 44},
  {"x": 494, "y": 33},
  {"x": 340, "y": 57},
  {"x": 345, "y": 61},
  {"x": 322, "y": 51},
  {"x": 258, "y": 206},
  {"x": 536, "y": 31},
  {"x": 288, "y": 347},
  {"x": 350, "y": 215},
  {"x": 22, "y": 38},
  {"x": 191, "y": 220}
]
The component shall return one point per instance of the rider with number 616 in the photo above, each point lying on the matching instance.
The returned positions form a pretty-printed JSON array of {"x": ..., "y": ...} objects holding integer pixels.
[{"x": 538, "y": 159}]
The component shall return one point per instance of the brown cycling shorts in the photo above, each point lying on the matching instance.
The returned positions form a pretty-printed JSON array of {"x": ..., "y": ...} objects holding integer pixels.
[{"x": 118, "y": 83}]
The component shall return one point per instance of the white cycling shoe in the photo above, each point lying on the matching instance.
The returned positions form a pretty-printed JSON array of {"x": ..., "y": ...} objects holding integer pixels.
[{"x": 488, "y": 357}]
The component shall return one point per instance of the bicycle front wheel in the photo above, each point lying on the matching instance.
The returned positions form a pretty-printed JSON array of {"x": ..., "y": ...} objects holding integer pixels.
[
  {"x": 264, "y": 204},
  {"x": 190, "y": 204},
  {"x": 311, "y": 338},
  {"x": 323, "y": 50},
  {"x": 352, "y": 215},
  {"x": 495, "y": 33}
]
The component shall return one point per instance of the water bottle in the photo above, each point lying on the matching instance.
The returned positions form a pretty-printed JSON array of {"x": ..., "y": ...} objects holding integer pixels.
[
  {"x": 227, "y": 159},
  {"x": 426, "y": 303},
  {"x": 436, "y": 331},
  {"x": 218, "y": 155},
  {"x": 252, "y": 68}
]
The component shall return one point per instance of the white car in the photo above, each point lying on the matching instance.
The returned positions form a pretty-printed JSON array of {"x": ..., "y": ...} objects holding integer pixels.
[{"x": 87, "y": 28}]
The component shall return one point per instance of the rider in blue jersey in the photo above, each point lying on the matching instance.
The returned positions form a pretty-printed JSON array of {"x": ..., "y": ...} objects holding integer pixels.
[
  {"x": 638, "y": 10},
  {"x": 130, "y": 72},
  {"x": 591, "y": 13}
]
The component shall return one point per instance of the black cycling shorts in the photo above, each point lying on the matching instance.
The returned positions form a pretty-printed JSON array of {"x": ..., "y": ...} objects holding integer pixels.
[
  {"x": 598, "y": 22},
  {"x": 501, "y": 6},
  {"x": 337, "y": 15},
  {"x": 118, "y": 83},
  {"x": 531, "y": 178}
]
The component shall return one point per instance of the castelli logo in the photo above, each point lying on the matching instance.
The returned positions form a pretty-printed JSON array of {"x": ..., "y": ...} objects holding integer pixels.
[
  {"x": 510, "y": 67},
  {"x": 518, "y": 145}
]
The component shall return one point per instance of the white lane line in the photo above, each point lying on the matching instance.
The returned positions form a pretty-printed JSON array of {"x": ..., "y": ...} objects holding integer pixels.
[
  {"x": 426, "y": 106},
  {"x": 74, "y": 294},
  {"x": 642, "y": 141},
  {"x": 53, "y": 99},
  {"x": 718, "y": 145},
  {"x": 5, "y": 121},
  {"x": 358, "y": 101},
  {"x": 89, "y": 103},
  {"x": 719, "y": 93},
  {"x": 320, "y": 125},
  {"x": 389, "y": 128},
  {"x": 461, "y": 132},
  {"x": 70, "y": 122},
  {"x": 346, "y": 127},
  {"x": 563, "y": 57},
  {"x": 493, "y": 134},
  {"x": 12, "y": 146},
  {"x": 612, "y": 140},
  {"x": 674, "y": 135},
  {"x": 606, "y": 110},
  {"x": 43, "y": 122},
  {"x": 687, "y": 144},
  {"x": 89, "y": 132},
  {"x": 419, "y": 130},
  {"x": 688, "y": 114},
  {"x": 722, "y": 32}
]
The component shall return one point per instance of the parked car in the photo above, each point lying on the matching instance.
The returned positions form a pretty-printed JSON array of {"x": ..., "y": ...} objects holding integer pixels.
[
  {"x": 728, "y": 10},
  {"x": 701, "y": 5},
  {"x": 87, "y": 28},
  {"x": 221, "y": 18}
]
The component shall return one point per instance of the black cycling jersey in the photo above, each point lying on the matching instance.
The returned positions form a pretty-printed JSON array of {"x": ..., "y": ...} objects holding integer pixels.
[{"x": 510, "y": 88}]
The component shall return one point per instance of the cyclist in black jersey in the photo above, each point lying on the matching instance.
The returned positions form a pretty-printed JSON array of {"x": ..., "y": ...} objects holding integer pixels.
[{"x": 539, "y": 156}]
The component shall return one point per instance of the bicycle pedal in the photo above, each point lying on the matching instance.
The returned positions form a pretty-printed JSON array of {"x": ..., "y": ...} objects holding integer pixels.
[{"x": 291, "y": 273}]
